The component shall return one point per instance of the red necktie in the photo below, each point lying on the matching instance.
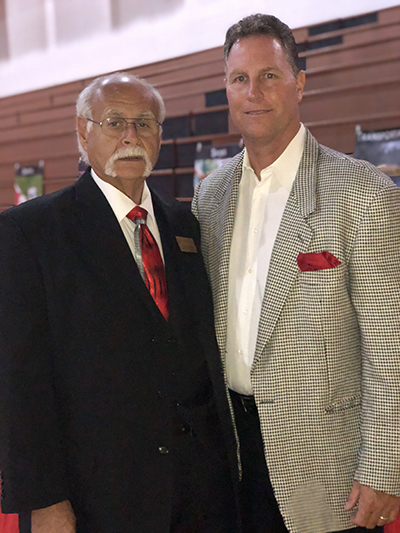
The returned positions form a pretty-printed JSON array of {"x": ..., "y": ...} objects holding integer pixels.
[{"x": 153, "y": 268}]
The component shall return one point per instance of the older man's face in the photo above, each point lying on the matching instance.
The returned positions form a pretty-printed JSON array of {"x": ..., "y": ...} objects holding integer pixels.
[{"x": 130, "y": 155}]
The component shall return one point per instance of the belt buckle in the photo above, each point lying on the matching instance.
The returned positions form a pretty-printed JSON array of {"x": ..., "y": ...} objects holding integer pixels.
[
  {"x": 246, "y": 404},
  {"x": 243, "y": 401}
]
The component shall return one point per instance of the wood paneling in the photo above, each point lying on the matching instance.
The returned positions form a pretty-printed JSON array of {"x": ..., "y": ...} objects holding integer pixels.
[
  {"x": 354, "y": 72},
  {"x": 31, "y": 151},
  {"x": 355, "y": 82},
  {"x": 381, "y": 96},
  {"x": 339, "y": 133}
]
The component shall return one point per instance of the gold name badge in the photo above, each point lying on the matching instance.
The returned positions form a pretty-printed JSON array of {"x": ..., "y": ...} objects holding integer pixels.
[{"x": 186, "y": 244}]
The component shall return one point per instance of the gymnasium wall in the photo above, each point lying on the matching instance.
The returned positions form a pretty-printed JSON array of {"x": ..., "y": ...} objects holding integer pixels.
[{"x": 353, "y": 77}]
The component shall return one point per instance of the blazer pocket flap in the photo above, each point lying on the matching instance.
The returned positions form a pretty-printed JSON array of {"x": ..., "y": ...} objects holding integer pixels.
[{"x": 342, "y": 404}]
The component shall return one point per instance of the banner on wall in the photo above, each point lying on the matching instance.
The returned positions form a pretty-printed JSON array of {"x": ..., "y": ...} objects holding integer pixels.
[
  {"x": 28, "y": 182},
  {"x": 208, "y": 158},
  {"x": 381, "y": 148}
]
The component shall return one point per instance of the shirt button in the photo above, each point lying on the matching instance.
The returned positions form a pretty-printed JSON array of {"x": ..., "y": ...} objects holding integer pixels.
[
  {"x": 255, "y": 230},
  {"x": 250, "y": 270},
  {"x": 240, "y": 352},
  {"x": 163, "y": 450}
]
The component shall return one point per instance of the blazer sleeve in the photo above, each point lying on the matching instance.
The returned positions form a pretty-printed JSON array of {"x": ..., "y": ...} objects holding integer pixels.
[
  {"x": 31, "y": 461},
  {"x": 375, "y": 288}
]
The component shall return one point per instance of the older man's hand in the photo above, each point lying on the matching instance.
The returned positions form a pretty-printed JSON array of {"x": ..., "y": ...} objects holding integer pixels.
[
  {"x": 58, "y": 518},
  {"x": 375, "y": 508}
]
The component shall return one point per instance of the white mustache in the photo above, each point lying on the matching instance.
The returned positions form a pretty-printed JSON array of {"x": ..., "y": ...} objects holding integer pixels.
[{"x": 128, "y": 151}]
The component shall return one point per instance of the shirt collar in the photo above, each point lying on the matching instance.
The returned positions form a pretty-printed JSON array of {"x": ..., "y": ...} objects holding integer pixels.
[
  {"x": 285, "y": 167},
  {"x": 119, "y": 202}
]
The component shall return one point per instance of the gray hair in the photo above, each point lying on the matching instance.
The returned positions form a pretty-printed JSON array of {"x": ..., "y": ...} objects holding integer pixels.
[
  {"x": 269, "y": 26},
  {"x": 84, "y": 101}
]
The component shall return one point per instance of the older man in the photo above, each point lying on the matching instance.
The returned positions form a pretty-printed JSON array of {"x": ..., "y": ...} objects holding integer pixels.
[
  {"x": 113, "y": 412},
  {"x": 302, "y": 246}
]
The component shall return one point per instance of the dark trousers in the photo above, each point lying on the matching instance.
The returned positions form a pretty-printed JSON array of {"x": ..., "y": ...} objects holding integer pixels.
[
  {"x": 25, "y": 523},
  {"x": 259, "y": 508}
]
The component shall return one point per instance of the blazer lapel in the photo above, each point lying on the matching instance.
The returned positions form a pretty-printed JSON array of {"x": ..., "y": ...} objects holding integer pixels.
[
  {"x": 225, "y": 207},
  {"x": 294, "y": 236}
]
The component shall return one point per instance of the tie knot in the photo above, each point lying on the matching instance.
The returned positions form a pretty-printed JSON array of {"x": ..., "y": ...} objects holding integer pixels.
[{"x": 137, "y": 213}]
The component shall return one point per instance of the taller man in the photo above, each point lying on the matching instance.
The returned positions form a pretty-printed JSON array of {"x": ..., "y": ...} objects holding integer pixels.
[
  {"x": 113, "y": 408},
  {"x": 302, "y": 246}
]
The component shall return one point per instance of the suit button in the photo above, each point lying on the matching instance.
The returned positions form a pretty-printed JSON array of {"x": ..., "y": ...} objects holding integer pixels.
[
  {"x": 163, "y": 450},
  {"x": 187, "y": 430}
]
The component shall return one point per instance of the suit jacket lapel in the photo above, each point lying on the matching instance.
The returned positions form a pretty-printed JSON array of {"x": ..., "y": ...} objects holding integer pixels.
[
  {"x": 225, "y": 207},
  {"x": 172, "y": 262},
  {"x": 104, "y": 245},
  {"x": 294, "y": 236}
]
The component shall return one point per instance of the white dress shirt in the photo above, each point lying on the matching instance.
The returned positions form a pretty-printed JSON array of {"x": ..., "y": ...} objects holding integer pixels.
[
  {"x": 259, "y": 211},
  {"x": 122, "y": 205}
]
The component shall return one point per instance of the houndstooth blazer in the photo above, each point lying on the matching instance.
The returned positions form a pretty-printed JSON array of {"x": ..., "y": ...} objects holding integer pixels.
[{"x": 326, "y": 373}]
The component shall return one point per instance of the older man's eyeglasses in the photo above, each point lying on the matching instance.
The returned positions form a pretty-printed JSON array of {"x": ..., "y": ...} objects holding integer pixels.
[{"x": 116, "y": 126}]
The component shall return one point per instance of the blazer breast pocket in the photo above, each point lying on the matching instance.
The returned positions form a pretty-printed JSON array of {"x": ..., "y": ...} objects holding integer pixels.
[
  {"x": 323, "y": 303},
  {"x": 327, "y": 289},
  {"x": 323, "y": 277}
]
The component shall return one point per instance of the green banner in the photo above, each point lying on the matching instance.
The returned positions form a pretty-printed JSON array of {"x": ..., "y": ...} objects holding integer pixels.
[{"x": 28, "y": 183}]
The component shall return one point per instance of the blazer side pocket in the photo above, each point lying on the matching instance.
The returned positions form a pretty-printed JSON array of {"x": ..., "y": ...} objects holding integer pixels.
[{"x": 343, "y": 404}]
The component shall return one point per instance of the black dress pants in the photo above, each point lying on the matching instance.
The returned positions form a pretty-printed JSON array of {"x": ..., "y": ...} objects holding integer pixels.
[
  {"x": 259, "y": 508},
  {"x": 25, "y": 523}
]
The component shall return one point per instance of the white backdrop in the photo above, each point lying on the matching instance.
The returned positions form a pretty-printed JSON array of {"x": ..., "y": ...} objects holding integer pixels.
[{"x": 56, "y": 41}]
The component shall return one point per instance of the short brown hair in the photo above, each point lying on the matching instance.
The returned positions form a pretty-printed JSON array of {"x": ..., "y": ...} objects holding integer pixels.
[{"x": 269, "y": 26}]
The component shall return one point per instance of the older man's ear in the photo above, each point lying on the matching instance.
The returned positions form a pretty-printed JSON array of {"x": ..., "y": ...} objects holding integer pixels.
[{"x": 81, "y": 128}]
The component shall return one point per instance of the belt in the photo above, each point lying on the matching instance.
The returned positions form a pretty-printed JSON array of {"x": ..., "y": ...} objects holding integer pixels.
[{"x": 248, "y": 403}]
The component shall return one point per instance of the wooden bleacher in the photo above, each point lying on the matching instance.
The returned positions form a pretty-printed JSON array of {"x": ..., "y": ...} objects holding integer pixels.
[{"x": 353, "y": 77}]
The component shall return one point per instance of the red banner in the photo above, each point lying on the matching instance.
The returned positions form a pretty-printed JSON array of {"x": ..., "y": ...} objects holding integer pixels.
[{"x": 9, "y": 523}]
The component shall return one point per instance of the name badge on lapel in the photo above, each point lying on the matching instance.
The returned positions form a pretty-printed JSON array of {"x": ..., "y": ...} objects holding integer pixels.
[{"x": 186, "y": 244}]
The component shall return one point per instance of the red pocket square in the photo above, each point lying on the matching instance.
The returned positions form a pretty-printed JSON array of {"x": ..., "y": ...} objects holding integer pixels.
[{"x": 317, "y": 261}]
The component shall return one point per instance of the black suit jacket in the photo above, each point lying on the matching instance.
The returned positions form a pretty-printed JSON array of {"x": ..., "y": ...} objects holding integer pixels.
[{"x": 95, "y": 384}]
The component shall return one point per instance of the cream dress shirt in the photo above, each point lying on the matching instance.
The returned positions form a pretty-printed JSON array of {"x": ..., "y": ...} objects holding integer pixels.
[{"x": 259, "y": 211}]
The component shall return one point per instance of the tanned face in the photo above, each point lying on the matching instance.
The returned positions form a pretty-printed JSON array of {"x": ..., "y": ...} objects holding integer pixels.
[{"x": 263, "y": 92}]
